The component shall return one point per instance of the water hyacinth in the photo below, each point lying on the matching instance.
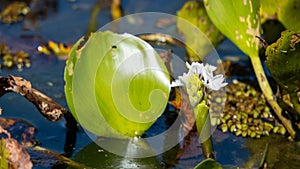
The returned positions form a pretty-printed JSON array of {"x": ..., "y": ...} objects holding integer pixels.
[
  {"x": 199, "y": 78},
  {"x": 205, "y": 74}
]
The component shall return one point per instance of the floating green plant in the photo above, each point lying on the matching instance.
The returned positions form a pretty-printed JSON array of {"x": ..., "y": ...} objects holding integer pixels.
[
  {"x": 240, "y": 22},
  {"x": 116, "y": 84},
  {"x": 283, "y": 62},
  {"x": 247, "y": 113},
  {"x": 195, "y": 13},
  {"x": 287, "y": 12},
  {"x": 197, "y": 82}
]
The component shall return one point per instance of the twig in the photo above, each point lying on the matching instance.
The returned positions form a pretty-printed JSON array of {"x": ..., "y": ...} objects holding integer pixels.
[
  {"x": 51, "y": 110},
  {"x": 263, "y": 41},
  {"x": 263, "y": 163},
  {"x": 60, "y": 158},
  {"x": 158, "y": 37}
]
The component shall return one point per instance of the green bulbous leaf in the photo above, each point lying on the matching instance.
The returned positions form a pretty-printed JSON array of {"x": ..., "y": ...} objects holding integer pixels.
[
  {"x": 238, "y": 21},
  {"x": 208, "y": 163},
  {"x": 68, "y": 75},
  {"x": 197, "y": 46},
  {"x": 116, "y": 85},
  {"x": 287, "y": 12},
  {"x": 283, "y": 60}
]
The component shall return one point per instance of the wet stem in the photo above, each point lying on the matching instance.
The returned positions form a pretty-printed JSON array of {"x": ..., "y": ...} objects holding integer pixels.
[
  {"x": 268, "y": 93},
  {"x": 204, "y": 130}
]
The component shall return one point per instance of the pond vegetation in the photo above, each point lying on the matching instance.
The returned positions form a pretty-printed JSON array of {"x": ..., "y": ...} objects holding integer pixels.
[{"x": 73, "y": 84}]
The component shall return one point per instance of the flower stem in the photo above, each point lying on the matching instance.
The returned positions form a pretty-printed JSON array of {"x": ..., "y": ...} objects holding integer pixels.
[
  {"x": 204, "y": 129},
  {"x": 207, "y": 148},
  {"x": 268, "y": 93}
]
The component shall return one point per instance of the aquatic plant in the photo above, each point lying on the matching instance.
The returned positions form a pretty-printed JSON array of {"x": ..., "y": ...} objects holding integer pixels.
[
  {"x": 284, "y": 65},
  {"x": 247, "y": 112},
  {"x": 116, "y": 84},
  {"x": 287, "y": 12},
  {"x": 240, "y": 22},
  {"x": 197, "y": 82},
  {"x": 195, "y": 13}
]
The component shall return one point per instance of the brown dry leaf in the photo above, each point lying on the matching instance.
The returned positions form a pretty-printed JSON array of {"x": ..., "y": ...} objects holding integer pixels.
[
  {"x": 177, "y": 100},
  {"x": 16, "y": 156}
]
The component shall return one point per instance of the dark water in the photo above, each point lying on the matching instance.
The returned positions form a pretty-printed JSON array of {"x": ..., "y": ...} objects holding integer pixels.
[{"x": 67, "y": 22}]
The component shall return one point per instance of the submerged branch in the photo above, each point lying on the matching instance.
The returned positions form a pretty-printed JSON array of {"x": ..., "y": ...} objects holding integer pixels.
[
  {"x": 51, "y": 110},
  {"x": 163, "y": 38},
  {"x": 60, "y": 158}
]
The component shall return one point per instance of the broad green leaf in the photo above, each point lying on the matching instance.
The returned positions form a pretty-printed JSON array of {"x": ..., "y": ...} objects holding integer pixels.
[
  {"x": 238, "y": 21},
  {"x": 283, "y": 60},
  {"x": 116, "y": 85},
  {"x": 197, "y": 45},
  {"x": 287, "y": 12},
  {"x": 208, "y": 164}
]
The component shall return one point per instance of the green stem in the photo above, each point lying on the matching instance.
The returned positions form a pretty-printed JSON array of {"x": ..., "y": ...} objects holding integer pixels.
[
  {"x": 295, "y": 101},
  {"x": 116, "y": 11},
  {"x": 207, "y": 148},
  {"x": 204, "y": 129},
  {"x": 92, "y": 26},
  {"x": 268, "y": 93}
]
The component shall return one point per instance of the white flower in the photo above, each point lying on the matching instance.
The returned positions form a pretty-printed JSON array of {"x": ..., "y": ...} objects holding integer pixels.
[
  {"x": 195, "y": 68},
  {"x": 215, "y": 83},
  {"x": 176, "y": 83},
  {"x": 206, "y": 72}
]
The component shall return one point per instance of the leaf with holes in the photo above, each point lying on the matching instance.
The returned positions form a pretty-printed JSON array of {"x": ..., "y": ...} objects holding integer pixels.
[
  {"x": 238, "y": 21},
  {"x": 283, "y": 60}
]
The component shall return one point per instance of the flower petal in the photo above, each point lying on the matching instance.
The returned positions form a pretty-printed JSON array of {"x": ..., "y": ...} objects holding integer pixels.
[
  {"x": 216, "y": 82},
  {"x": 176, "y": 83}
]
